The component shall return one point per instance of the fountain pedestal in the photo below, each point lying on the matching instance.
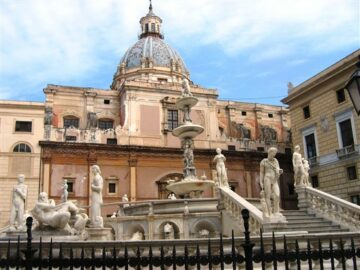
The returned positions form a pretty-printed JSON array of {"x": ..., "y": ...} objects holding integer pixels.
[{"x": 190, "y": 186}]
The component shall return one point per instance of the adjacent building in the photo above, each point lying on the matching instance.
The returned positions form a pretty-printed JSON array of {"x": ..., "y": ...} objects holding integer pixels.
[
  {"x": 326, "y": 126},
  {"x": 21, "y": 126}
]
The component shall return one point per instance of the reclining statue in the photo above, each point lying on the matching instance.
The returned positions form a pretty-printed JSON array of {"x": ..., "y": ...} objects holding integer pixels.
[{"x": 58, "y": 216}]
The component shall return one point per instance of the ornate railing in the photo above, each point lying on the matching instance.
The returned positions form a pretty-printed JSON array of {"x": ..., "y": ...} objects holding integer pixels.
[
  {"x": 234, "y": 204},
  {"x": 330, "y": 207},
  {"x": 348, "y": 151}
]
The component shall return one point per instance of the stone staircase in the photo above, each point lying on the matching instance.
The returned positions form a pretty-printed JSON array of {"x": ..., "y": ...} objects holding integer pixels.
[{"x": 302, "y": 221}]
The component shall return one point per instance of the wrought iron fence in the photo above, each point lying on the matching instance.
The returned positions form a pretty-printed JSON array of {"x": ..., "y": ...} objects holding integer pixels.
[{"x": 255, "y": 252}]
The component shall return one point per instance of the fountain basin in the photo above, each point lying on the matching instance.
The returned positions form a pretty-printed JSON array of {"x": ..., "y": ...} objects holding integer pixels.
[
  {"x": 188, "y": 130},
  {"x": 186, "y": 101},
  {"x": 193, "y": 188}
]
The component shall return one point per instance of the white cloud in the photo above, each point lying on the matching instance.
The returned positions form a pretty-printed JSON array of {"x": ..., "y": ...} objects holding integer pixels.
[{"x": 47, "y": 40}]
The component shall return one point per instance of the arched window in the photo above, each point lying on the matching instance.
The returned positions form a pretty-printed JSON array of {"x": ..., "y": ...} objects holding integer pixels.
[
  {"x": 105, "y": 123},
  {"x": 22, "y": 147},
  {"x": 71, "y": 121}
]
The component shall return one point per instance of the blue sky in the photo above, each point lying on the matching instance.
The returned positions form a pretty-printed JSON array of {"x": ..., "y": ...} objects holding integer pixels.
[{"x": 249, "y": 50}]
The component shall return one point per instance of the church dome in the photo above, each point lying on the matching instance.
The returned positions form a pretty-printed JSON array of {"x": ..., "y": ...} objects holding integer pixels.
[
  {"x": 150, "y": 58},
  {"x": 155, "y": 50}
]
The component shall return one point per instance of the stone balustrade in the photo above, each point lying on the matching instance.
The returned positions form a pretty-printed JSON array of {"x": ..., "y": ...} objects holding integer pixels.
[
  {"x": 330, "y": 207},
  {"x": 233, "y": 204}
]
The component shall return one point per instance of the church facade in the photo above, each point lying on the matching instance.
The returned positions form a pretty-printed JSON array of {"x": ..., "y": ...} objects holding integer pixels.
[{"x": 127, "y": 131}]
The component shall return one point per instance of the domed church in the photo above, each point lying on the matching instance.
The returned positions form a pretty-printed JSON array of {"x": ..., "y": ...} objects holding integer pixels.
[{"x": 127, "y": 130}]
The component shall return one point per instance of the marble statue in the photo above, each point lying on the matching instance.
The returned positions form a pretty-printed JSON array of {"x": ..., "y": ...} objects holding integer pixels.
[
  {"x": 204, "y": 233},
  {"x": 305, "y": 179},
  {"x": 113, "y": 215},
  {"x": 188, "y": 156},
  {"x": 187, "y": 118},
  {"x": 221, "y": 169},
  {"x": 269, "y": 174},
  {"x": 169, "y": 231},
  {"x": 172, "y": 196},
  {"x": 64, "y": 196},
  {"x": 91, "y": 120},
  {"x": 186, "y": 88},
  {"x": 96, "y": 198},
  {"x": 125, "y": 199},
  {"x": 137, "y": 236},
  {"x": 48, "y": 214},
  {"x": 48, "y": 116},
  {"x": 17, "y": 210},
  {"x": 298, "y": 166}
]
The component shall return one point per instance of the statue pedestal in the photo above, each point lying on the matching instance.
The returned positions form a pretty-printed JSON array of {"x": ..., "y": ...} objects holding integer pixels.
[{"x": 102, "y": 234}]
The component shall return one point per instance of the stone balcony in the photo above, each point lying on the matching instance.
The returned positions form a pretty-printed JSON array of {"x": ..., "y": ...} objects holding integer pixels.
[{"x": 348, "y": 151}]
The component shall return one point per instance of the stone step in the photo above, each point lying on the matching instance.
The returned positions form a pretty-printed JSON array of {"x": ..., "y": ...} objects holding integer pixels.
[
  {"x": 302, "y": 221},
  {"x": 303, "y": 217},
  {"x": 295, "y": 213},
  {"x": 310, "y": 223}
]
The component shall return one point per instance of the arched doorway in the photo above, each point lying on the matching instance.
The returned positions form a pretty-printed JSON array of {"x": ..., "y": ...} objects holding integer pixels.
[{"x": 163, "y": 193}]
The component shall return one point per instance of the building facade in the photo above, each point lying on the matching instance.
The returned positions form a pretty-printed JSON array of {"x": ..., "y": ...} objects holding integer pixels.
[
  {"x": 326, "y": 126},
  {"x": 21, "y": 125},
  {"x": 127, "y": 131}
]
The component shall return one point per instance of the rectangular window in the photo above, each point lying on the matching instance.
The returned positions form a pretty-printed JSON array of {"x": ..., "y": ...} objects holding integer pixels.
[
  {"x": 106, "y": 101},
  {"x": 315, "y": 181},
  {"x": 153, "y": 27},
  {"x": 231, "y": 147},
  {"x": 355, "y": 199},
  {"x": 105, "y": 124},
  {"x": 346, "y": 133},
  {"x": 310, "y": 145},
  {"x": 70, "y": 186},
  {"x": 351, "y": 173},
  {"x": 243, "y": 113},
  {"x": 340, "y": 95},
  {"x": 112, "y": 188},
  {"x": 173, "y": 119},
  {"x": 112, "y": 141},
  {"x": 23, "y": 126},
  {"x": 306, "y": 111},
  {"x": 71, "y": 122},
  {"x": 70, "y": 138},
  {"x": 270, "y": 115}
]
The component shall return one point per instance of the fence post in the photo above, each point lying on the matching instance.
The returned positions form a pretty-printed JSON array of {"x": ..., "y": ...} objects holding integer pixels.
[
  {"x": 29, "y": 252},
  {"x": 247, "y": 245}
]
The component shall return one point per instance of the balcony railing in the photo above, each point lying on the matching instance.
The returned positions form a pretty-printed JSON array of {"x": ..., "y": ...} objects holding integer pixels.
[
  {"x": 348, "y": 151},
  {"x": 314, "y": 161}
]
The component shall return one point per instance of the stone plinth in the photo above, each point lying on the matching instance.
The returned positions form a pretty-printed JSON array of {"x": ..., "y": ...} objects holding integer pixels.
[{"x": 102, "y": 234}]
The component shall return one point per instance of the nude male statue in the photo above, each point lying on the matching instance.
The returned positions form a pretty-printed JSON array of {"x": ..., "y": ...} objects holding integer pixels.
[
  {"x": 18, "y": 204},
  {"x": 269, "y": 174}
]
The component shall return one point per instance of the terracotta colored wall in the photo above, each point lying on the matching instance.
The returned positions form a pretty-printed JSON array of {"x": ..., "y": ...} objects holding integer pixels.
[
  {"x": 150, "y": 120},
  {"x": 61, "y": 171}
]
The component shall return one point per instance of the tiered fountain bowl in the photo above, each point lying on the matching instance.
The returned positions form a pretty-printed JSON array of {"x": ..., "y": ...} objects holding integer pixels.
[{"x": 190, "y": 186}]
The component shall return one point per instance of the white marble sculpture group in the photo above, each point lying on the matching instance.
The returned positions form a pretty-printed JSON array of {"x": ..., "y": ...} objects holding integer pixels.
[
  {"x": 66, "y": 216},
  {"x": 301, "y": 168}
]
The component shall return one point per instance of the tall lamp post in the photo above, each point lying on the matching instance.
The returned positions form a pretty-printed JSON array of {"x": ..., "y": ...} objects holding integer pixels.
[{"x": 353, "y": 87}]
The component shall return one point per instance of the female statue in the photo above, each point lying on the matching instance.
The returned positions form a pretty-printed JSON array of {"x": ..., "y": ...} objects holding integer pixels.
[
  {"x": 96, "y": 197},
  {"x": 221, "y": 169}
]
